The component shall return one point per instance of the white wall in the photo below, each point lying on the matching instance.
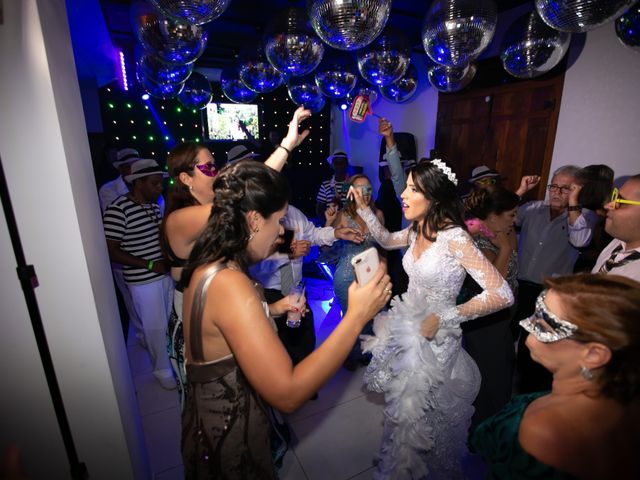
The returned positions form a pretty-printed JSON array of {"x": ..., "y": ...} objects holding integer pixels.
[
  {"x": 600, "y": 112},
  {"x": 45, "y": 153},
  {"x": 599, "y": 118}
]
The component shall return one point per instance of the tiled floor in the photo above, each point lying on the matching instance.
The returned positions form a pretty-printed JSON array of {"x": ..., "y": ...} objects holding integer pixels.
[{"x": 334, "y": 437}]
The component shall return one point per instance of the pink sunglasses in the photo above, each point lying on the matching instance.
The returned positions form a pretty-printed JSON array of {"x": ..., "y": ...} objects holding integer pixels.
[{"x": 208, "y": 169}]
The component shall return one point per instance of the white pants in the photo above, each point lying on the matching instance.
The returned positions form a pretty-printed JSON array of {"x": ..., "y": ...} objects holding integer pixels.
[
  {"x": 118, "y": 275},
  {"x": 153, "y": 303}
]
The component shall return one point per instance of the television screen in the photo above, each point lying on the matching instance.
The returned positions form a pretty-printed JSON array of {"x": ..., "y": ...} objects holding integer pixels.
[{"x": 223, "y": 121}]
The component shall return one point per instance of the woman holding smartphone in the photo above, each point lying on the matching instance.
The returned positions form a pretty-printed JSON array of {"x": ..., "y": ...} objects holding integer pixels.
[
  {"x": 418, "y": 362},
  {"x": 234, "y": 356}
]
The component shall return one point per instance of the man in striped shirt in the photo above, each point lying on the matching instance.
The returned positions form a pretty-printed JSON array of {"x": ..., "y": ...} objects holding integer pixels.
[
  {"x": 334, "y": 189},
  {"x": 132, "y": 227}
]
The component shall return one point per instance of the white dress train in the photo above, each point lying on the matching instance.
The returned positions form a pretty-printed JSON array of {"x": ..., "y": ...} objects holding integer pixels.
[{"x": 429, "y": 385}]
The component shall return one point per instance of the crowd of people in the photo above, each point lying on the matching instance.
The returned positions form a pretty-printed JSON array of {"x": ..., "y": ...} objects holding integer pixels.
[{"x": 493, "y": 307}]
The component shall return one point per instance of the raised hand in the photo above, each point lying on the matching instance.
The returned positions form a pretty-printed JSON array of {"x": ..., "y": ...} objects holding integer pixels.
[
  {"x": 294, "y": 136},
  {"x": 527, "y": 183},
  {"x": 367, "y": 300},
  {"x": 330, "y": 214},
  {"x": 385, "y": 128},
  {"x": 355, "y": 195}
]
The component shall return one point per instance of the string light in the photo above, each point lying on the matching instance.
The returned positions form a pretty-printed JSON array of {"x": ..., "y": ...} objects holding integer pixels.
[
  {"x": 128, "y": 105},
  {"x": 123, "y": 69}
]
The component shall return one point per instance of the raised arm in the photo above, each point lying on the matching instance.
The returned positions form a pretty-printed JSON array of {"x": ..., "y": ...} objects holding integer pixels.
[
  {"x": 496, "y": 293},
  {"x": 236, "y": 309},
  {"x": 294, "y": 138},
  {"x": 392, "y": 156}
]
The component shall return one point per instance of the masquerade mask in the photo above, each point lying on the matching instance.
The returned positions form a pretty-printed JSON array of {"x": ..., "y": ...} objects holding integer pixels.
[
  {"x": 546, "y": 326},
  {"x": 365, "y": 189},
  {"x": 208, "y": 169}
]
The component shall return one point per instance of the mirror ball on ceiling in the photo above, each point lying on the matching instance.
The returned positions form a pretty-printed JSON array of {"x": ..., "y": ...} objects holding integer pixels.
[
  {"x": 170, "y": 41},
  {"x": 195, "y": 12},
  {"x": 580, "y": 15},
  {"x": 156, "y": 90},
  {"x": 348, "y": 24},
  {"x": 365, "y": 89},
  {"x": 386, "y": 59},
  {"x": 628, "y": 27},
  {"x": 336, "y": 76},
  {"x": 304, "y": 91},
  {"x": 257, "y": 73},
  {"x": 403, "y": 89},
  {"x": 447, "y": 79},
  {"x": 291, "y": 45},
  {"x": 233, "y": 88},
  {"x": 531, "y": 48},
  {"x": 196, "y": 92},
  {"x": 455, "y": 32},
  {"x": 162, "y": 73}
]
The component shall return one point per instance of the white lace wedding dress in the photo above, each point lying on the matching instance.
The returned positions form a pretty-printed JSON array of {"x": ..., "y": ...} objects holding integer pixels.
[{"x": 429, "y": 385}]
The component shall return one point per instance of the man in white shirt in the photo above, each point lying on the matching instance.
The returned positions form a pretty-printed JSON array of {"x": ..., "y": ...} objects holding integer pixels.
[
  {"x": 622, "y": 255},
  {"x": 299, "y": 341}
]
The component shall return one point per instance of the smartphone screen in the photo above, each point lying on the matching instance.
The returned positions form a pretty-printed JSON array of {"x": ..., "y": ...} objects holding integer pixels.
[{"x": 285, "y": 247}]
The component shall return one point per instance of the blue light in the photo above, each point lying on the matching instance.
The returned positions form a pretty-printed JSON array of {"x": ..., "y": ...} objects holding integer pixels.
[
  {"x": 145, "y": 96},
  {"x": 344, "y": 106}
]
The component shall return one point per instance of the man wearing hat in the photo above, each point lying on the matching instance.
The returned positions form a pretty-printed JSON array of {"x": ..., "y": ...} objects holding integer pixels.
[
  {"x": 239, "y": 152},
  {"x": 132, "y": 227},
  {"x": 483, "y": 176},
  {"x": 334, "y": 189},
  {"x": 114, "y": 188}
]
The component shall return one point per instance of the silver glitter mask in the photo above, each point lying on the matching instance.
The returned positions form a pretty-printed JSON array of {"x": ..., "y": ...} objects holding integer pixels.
[{"x": 546, "y": 326}]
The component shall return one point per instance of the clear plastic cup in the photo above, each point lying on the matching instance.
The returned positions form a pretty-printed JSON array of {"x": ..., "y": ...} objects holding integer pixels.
[{"x": 297, "y": 300}]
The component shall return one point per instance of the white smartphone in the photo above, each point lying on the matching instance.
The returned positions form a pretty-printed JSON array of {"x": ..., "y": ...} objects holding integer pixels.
[{"x": 365, "y": 265}]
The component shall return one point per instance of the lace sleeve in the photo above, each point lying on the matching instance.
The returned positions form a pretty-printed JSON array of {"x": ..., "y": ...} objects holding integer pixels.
[
  {"x": 386, "y": 239},
  {"x": 495, "y": 294}
]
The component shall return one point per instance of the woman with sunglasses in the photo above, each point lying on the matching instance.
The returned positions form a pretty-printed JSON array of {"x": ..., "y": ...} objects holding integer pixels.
[
  {"x": 418, "y": 362},
  {"x": 192, "y": 169},
  {"x": 345, "y": 251},
  {"x": 585, "y": 331}
]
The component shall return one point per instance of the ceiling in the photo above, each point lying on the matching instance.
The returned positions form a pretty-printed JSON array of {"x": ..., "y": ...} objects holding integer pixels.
[{"x": 244, "y": 22}]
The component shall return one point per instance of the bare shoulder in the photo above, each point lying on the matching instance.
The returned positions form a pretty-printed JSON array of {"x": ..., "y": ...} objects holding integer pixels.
[{"x": 545, "y": 433}]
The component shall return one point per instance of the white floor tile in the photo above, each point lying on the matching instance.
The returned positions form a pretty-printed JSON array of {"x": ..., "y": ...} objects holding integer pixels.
[
  {"x": 162, "y": 433},
  {"x": 176, "y": 473},
  {"x": 340, "y": 442},
  {"x": 152, "y": 398},
  {"x": 291, "y": 468}
]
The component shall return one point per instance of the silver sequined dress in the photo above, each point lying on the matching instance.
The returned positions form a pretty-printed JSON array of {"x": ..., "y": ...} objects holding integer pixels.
[{"x": 429, "y": 385}]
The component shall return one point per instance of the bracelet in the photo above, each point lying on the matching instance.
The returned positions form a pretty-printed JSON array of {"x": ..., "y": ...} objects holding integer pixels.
[
  {"x": 150, "y": 265},
  {"x": 574, "y": 208},
  {"x": 285, "y": 149}
]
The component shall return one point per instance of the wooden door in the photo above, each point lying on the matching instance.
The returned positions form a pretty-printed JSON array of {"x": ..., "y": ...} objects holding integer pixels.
[{"x": 510, "y": 128}]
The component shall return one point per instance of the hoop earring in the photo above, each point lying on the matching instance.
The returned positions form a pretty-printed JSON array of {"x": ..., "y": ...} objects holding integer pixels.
[{"x": 586, "y": 373}]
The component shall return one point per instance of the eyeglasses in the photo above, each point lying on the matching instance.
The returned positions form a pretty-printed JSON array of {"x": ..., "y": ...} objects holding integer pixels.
[
  {"x": 208, "y": 169},
  {"x": 561, "y": 188},
  {"x": 486, "y": 181},
  {"x": 616, "y": 200},
  {"x": 545, "y": 326}
]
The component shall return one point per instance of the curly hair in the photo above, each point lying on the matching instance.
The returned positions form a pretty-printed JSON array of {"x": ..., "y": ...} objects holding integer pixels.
[
  {"x": 606, "y": 309},
  {"x": 239, "y": 188},
  {"x": 493, "y": 199},
  {"x": 446, "y": 208}
]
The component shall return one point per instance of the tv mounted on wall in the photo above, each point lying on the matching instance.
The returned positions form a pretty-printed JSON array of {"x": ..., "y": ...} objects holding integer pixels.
[{"x": 222, "y": 121}]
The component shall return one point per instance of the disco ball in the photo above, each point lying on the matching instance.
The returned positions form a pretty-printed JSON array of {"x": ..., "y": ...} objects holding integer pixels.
[
  {"x": 455, "y": 32},
  {"x": 532, "y": 48},
  {"x": 291, "y": 45},
  {"x": 304, "y": 91},
  {"x": 348, "y": 24},
  {"x": 365, "y": 89},
  {"x": 316, "y": 105},
  {"x": 447, "y": 79},
  {"x": 196, "y": 92},
  {"x": 385, "y": 60},
  {"x": 163, "y": 92},
  {"x": 580, "y": 15},
  {"x": 163, "y": 73},
  {"x": 628, "y": 27},
  {"x": 196, "y": 12},
  {"x": 171, "y": 42},
  {"x": 403, "y": 89},
  {"x": 257, "y": 73},
  {"x": 336, "y": 76},
  {"x": 234, "y": 89}
]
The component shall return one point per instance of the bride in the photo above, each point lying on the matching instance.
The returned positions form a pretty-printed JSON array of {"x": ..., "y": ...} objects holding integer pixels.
[{"x": 428, "y": 380}]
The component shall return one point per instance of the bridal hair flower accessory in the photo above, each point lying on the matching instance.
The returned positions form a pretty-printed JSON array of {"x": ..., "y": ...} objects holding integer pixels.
[{"x": 446, "y": 170}]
